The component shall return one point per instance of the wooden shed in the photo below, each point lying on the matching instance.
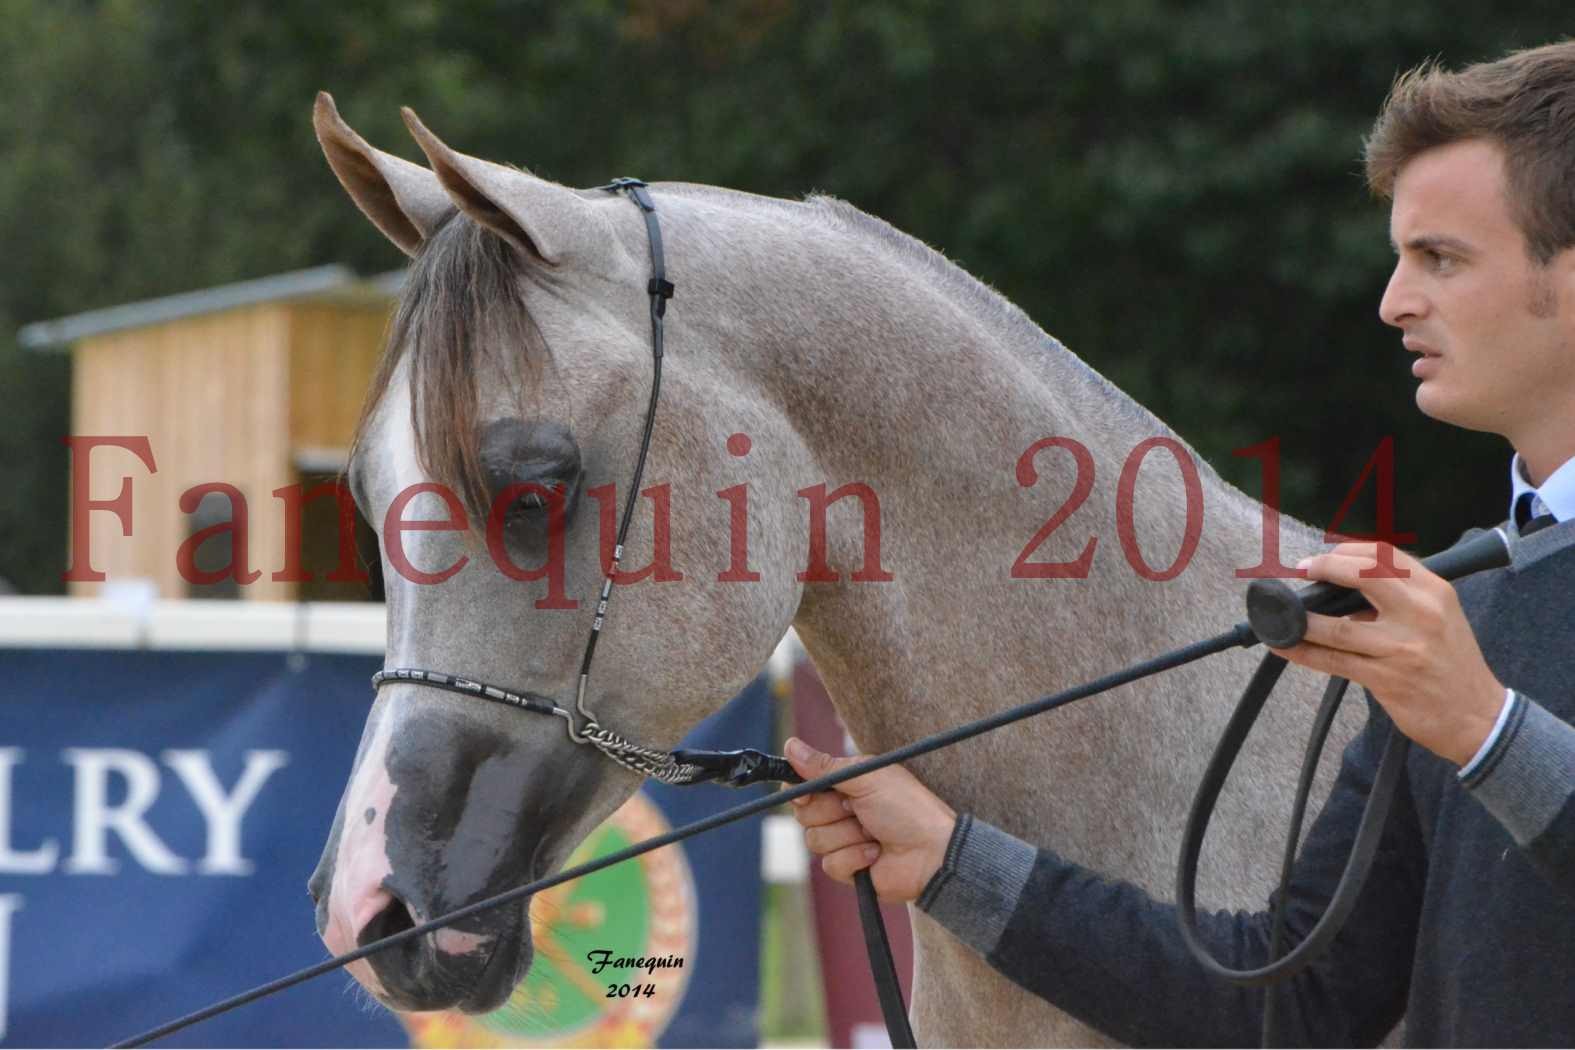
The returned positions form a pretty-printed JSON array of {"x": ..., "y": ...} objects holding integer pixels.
[{"x": 256, "y": 385}]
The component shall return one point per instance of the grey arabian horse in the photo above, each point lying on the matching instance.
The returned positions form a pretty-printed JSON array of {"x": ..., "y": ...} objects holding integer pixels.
[{"x": 847, "y": 353}]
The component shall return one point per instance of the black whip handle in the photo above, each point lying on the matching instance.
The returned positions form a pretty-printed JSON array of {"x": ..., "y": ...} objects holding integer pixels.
[{"x": 1277, "y": 613}]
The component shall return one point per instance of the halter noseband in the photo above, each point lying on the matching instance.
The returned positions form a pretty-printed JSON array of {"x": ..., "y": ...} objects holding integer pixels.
[{"x": 670, "y": 767}]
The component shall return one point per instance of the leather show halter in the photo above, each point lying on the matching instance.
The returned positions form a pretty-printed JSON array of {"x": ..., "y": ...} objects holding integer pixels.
[{"x": 1277, "y": 615}]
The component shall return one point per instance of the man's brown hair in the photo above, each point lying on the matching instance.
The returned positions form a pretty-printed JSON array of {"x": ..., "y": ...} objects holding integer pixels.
[{"x": 1524, "y": 102}]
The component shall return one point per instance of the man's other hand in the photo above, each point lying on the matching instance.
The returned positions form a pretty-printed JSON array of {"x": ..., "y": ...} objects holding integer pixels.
[{"x": 885, "y": 821}]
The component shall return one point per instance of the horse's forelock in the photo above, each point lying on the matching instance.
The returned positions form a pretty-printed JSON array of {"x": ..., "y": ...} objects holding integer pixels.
[{"x": 460, "y": 317}]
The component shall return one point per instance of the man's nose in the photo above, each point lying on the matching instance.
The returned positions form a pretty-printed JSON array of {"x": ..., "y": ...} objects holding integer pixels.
[{"x": 1401, "y": 299}]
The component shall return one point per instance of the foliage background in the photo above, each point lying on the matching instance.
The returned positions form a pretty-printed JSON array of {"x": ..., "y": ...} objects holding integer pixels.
[{"x": 1172, "y": 189}]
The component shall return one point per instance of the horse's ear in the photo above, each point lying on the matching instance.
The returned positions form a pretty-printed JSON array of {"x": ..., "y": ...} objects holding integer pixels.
[
  {"x": 402, "y": 199},
  {"x": 543, "y": 218}
]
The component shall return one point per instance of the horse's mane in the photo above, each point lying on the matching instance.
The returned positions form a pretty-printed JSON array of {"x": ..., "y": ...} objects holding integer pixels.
[
  {"x": 1109, "y": 401},
  {"x": 989, "y": 304}
]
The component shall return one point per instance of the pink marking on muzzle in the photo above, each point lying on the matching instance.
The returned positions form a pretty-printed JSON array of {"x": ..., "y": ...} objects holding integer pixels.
[
  {"x": 458, "y": 942},
  {"x": 356, "y": 895}
]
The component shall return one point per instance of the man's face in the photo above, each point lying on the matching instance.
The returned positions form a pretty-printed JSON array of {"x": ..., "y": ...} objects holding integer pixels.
[{"x": 1493, "y": 331}]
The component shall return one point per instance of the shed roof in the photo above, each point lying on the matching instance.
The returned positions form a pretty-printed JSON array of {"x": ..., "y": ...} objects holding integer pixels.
[{"x": 332, "y": 282}]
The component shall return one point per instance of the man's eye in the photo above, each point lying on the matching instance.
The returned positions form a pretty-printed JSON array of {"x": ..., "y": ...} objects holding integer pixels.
[{"x": 1440, "y": 262}]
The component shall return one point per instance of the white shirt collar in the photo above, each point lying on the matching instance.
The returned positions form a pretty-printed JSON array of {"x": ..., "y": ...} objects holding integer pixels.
[{"x": 1557, "y": 493}]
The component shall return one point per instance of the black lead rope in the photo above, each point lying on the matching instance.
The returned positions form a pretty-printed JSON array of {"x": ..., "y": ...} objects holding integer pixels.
[
  {"x": 888, "y": 989},
  {"x": 1364, "y": 849}
]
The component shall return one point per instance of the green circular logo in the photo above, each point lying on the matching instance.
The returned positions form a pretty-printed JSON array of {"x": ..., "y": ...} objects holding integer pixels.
[{"x": 597, "y": 978}]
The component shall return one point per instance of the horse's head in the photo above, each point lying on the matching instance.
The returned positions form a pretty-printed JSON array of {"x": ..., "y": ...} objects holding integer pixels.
[{"x": 506, "y": 414}]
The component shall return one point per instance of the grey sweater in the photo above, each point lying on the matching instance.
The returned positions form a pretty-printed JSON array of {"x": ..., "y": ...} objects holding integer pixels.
[{"x": 1466, "y": 925}]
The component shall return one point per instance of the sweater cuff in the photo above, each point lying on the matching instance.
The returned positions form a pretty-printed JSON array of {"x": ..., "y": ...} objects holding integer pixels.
[
  {"x": 976, "y": 889},
  {"x": 1525, "y": 779},
  {"x": 1492, "y": 738}
]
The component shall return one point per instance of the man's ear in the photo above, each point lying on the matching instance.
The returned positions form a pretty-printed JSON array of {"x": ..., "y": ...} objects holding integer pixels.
[
  {"x": 1564, "y": 263},
  {"x": 402, "y": 199},
  {"x": 1553, "y": 289},
  {"x": 552, "y": 222}
]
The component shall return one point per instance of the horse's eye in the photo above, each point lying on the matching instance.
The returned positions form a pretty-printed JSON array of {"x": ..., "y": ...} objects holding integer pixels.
[{"x": 540, "y": 455}]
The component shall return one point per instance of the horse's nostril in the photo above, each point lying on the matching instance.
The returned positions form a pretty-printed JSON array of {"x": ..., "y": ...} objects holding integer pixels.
[{"x": 393, "y": 919}]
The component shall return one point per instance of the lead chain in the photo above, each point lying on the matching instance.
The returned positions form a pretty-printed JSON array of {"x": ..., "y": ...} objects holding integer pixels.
[{"x": 659, "y": 765}]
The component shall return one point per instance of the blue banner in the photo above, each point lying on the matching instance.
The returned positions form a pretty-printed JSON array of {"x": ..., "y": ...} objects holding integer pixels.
[{"x": 161, "y": 811}]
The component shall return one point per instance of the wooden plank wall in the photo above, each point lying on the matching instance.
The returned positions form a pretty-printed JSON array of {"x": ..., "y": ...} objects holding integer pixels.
[
  {"x": 222, "y": 397},
  {"x": 334, "y": 349}
]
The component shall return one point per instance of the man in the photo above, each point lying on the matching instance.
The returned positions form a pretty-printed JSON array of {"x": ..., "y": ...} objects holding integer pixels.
[{"x": 1467, "y": 925}]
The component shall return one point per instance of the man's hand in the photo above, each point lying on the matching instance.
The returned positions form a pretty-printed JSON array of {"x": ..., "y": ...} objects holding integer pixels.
[
  {"x": 885, "y": 821},
  {"x": 1414, "y": 651}
]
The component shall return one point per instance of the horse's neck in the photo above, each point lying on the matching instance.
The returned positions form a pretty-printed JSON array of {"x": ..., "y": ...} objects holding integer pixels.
[{"x": 930, "y": 391}]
